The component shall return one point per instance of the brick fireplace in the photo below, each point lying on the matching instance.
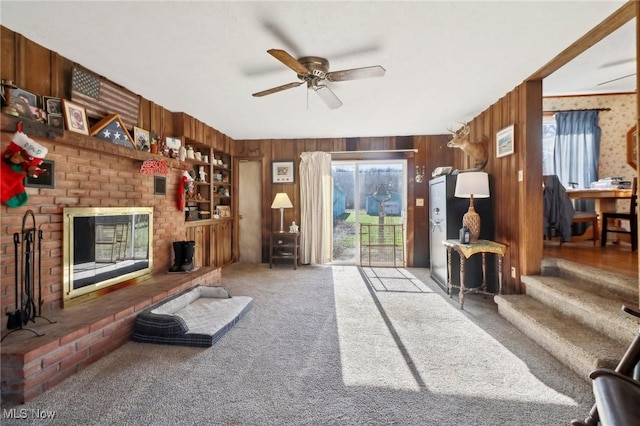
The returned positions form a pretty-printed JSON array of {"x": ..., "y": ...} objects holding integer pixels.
[{"x": 88, "y": 173}]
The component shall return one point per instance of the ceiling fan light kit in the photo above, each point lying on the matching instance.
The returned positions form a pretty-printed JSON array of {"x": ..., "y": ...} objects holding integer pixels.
[{"x": 313, "y": 70}]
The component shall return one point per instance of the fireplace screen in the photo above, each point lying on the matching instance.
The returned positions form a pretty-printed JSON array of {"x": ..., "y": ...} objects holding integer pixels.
[{"x": 104, "y": 247}]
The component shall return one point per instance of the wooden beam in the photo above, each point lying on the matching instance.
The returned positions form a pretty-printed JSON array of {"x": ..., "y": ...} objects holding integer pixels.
[{"x": 620, "y": 17}]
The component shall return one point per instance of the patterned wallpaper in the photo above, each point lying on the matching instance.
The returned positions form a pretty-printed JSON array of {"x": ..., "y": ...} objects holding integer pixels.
[{"x": 614, "y": 125}]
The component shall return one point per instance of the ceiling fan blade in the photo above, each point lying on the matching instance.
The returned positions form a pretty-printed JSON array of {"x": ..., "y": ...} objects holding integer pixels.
[
  {"x": 616, "y": 79},
  {"x": 288, "y": 60},
  {"x": 356, "y": 73},
  {"x": 327, "y": 95},
  {"x": 278, "y": 89},
  {"x": 618, "y": 62},
  {"x": 282, "y": 37}
]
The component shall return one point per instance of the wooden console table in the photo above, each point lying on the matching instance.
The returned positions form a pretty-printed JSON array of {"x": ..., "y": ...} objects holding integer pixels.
[{"x": 466, "y": 251}]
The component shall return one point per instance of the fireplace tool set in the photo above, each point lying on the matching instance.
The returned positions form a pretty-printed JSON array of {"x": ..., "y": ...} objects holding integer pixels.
[{"x": 28, "y": 305}]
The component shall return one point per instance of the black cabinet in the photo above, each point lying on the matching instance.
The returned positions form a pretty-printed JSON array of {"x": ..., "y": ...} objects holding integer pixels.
[{"x": 445, "y": 221}]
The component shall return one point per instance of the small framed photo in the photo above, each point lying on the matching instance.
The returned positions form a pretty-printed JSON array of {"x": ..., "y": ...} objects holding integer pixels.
[
  {"x": 52, "y": 105},
  {"x": 55, "y": 120},
  {"x": 142, "y": 139},
  {"x": 47, "y": 179},
  {"x": 26, "y": 105},
  {"x": 75, "y": 117},
  {"x": 282, "y": 172},
  {"x": 505, "y": 143},
  {"x": 224, "y": 211}
]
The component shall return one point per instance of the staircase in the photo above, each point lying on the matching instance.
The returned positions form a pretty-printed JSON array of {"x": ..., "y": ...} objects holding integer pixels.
[{"x": 574, "y": 312}]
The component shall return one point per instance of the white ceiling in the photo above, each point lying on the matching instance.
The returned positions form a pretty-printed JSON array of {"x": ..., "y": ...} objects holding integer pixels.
[{"x": 446, "y": 61}]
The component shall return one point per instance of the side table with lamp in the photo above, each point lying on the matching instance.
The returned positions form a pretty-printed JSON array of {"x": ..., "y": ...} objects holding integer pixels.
[
  {"x": 446, "y": 213},
  {"x": 472, "y": 185},
  {"x": 284, "y": 245}
]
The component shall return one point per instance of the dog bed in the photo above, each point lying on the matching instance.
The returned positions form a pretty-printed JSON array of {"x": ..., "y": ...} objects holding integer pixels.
[{"x": 197, "y": 317}]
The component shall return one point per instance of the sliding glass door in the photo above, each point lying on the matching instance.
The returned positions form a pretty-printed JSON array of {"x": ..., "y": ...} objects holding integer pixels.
[{"x": 365, "y": 192}]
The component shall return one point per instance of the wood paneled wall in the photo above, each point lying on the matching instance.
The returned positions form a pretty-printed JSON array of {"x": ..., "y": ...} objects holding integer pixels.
[
  {"x": 517, "y": 179},
  {"x": 44, "y": 72},
  {"x": 431, "y": 153}
]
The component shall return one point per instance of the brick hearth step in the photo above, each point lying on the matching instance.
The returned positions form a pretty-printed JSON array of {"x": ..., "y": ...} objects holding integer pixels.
[{"x": 83, "y": 333}]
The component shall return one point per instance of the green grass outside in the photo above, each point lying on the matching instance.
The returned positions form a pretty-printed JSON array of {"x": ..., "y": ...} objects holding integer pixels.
[{"x": 345, "y": 234}]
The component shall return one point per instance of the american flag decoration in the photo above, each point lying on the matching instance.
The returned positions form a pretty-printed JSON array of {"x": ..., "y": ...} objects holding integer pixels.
[
  {"x": 111, "y": 128},
  {"x": 101, "y": 97}
]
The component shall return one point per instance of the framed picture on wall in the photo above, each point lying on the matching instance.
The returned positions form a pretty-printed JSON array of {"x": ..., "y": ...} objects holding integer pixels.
[
  {"x": 45, "y": 179},
  {"x": 282, "y": 172},
  {"x": 632, "y": 147},
  {"x": 52, "y": 105},
  {"x": 142, "y": 139},
  {"x": 505, "y": 143},
  {"x": 75, "y": 117},
  {"x": 55, "y": 120}
]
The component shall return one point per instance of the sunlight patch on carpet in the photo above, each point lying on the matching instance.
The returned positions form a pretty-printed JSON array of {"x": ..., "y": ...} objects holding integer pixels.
[
  {"x": 369, "y": 355},
  {"x": 394, "y": 279},
  {"x": 419, "y": 341}
]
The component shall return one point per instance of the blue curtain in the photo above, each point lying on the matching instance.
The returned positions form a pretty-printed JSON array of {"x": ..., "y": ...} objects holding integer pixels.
[{"x": 576, "y": 152}]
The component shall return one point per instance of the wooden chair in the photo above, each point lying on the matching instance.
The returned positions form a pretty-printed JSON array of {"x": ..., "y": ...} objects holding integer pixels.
[
  {"x": 587, "y": 217},
  {"x": 631, "y": 216},
  {"x": 578, "y": 217}
]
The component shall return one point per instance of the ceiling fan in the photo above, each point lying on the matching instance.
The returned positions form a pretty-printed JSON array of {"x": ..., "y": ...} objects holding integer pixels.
[{"x": 314, "y": 70}]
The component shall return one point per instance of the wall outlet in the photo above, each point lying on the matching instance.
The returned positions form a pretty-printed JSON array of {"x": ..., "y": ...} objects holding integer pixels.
[
  {"x": 513, "y": 272},
  {"x": 419, "y": 202}
]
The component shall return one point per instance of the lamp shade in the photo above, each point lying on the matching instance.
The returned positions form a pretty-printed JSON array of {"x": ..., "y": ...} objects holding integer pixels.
[
  {"x": 281, "y": 201},
  {"x": 474, "y": 184}
]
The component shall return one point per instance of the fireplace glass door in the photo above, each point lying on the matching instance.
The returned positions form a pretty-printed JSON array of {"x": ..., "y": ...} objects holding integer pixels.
[{"x": 105, "y": 246}]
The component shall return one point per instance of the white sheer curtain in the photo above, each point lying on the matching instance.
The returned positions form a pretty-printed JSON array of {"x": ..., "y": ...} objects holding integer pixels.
[{"x": 315, "y": 207}]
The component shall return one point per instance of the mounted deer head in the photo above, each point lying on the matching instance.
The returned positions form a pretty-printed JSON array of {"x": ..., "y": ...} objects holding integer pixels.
[{"x": 476, "y": 150}]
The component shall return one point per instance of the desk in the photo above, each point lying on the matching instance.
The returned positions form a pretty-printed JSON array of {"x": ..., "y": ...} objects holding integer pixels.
[
  {"x": 284, "y": 245},
  {"x": 605, "y": 200},
  {"x": 465, "y": 251}
]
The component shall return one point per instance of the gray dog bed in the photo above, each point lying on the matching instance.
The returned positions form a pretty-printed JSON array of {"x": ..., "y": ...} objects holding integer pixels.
[{"x": 198, "y": 317}]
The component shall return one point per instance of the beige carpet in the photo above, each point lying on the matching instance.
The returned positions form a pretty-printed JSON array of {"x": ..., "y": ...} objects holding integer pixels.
[{"x": 321, "y": 346}]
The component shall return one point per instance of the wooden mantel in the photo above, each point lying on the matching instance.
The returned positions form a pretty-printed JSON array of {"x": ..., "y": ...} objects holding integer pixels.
[{"x": 34, "y": 129}]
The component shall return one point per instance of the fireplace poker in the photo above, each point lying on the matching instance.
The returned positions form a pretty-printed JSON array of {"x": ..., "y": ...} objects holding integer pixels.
[
  {"x": 29, "y": 304},
  {"x": 40, "y": 299},
  {"x": 15, "y": 318}
]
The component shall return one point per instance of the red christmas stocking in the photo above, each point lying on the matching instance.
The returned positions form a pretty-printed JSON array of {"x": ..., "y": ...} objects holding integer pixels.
[
  {"x": 22, "y": 157},
  {"x": 183, "y": 189}
]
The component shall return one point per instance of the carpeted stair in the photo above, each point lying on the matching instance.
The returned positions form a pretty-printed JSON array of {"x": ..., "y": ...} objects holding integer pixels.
[{"x": 574, "y": 312}]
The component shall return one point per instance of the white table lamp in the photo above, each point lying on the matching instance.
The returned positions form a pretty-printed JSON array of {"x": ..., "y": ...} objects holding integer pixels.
[{"x": 281, "y": 201}]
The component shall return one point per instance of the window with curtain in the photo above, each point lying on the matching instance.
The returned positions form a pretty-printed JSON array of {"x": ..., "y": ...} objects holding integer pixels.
[
  {"x": 548, "y": 144},
  {"x": 571, "y": 149}
]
